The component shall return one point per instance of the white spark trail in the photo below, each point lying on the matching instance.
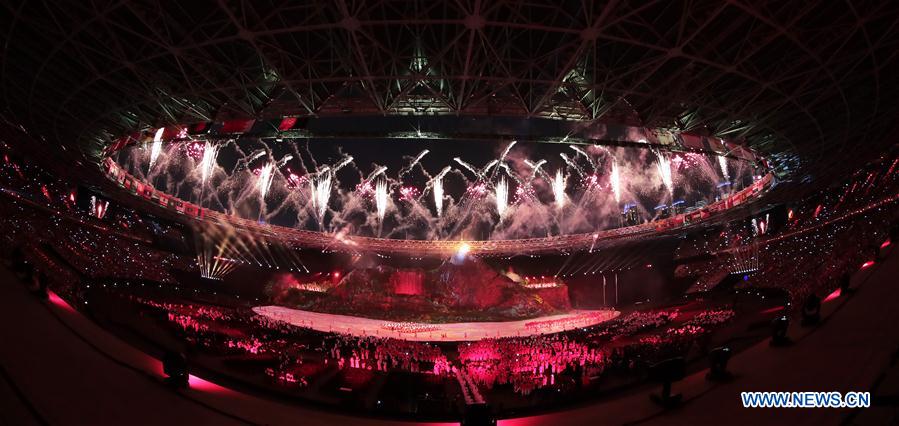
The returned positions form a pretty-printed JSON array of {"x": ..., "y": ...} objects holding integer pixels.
[
  {"x": 284, "y": 160},
  {"x": 502, "y": 196},
  {"x": 207, "y": 165},
  {"x": 580, "y": 151},
  {"x": 506, "y": 151},
  {"x": 438, "y": 190},
  {"x": 264, "y": 181},
  {"x": 664, "y": 168},
  {"x": 469, "y": 167},
  {"x": 255, "y": 155},
  {"x": 487, "y": 168},
  {"x": 511, "y": 173},
  {"x": 722, "y": 162},
  {"x": 415, "y": 161},
  {"x": 156, "y": 148},
  {"x": 381, "y": 198},
  {"x": 343, "y": 162},
  {"x": 571, "y": 163},
  {"x": 536, "y": 168},
  {"x": 379, "y": 170},
  {"x": 321, "y": 191},
  {"x": 559, "y": 189}
]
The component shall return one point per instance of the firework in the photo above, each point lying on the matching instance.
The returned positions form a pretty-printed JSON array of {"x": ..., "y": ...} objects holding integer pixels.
[
  {"x": 210, "y": 152},
  {"x": 591, "y": 182},
  {"x": 415, "y": 161},
  {"x": 487, "y": 168},
  {"x": 571, "y": 164},
  {"x": 506, "y": 151},
  {"x": 722, "y": 162},
  {"x": 264, "y": 180},
  {"x": 378, "y": 171},
  {"x": 321, "y": 192},
  {"x": 284, "y": 160},
  {"x": 467, "y": 166},
  {"x": 559, "y": 189},
  {"x": 409, "y": 193},
  {"x": 536, "y": 167},
  {"x": 365, "y": 189},
  {"x": 664, "y": 167},
  {"x": 256, "y": 155},
  {"x": 98, "y": 207},
  {"x": 438, "y": 190},
  {"x": 381, "y": 198},
  {"x": 477, "y": 190},
  {"x": 580, "y": 151},
  {"x": 525, "y": 193},
  {"x": 615, "y": 181},
  {"x": 343, "y": 162},
  {"x": 194, "y": 150},
  {"x": 294, "y": 180},
  {"x": 156, "y": 148},
  {"x": 506, "y": 184},
  {"x": 502, "y": 196}
]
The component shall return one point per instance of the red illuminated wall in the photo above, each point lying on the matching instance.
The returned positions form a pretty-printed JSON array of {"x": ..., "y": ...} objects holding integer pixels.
[{"x": 407, "y": 282}]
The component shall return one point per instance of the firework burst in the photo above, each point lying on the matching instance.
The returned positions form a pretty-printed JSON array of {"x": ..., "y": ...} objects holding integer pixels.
[{"x": 502, "y": 196}]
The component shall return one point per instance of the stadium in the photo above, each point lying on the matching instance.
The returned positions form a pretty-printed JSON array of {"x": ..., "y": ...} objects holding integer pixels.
[{"x": 389, "y": 212}]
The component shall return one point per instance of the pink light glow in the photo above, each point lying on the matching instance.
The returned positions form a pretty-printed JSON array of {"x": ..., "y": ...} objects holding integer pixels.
[
  {"x": 867, "y": 264},
  {"x": 205, "y": 386},
  {"x": 365, "y": 189},
  {"x": 409, "y": 193},
  {"x": 56, "y": 300},
  {"x": 885, "y": 244},
  {"x": 591, "y": 182},
  {"x": 835, "y": 294},
  {"x": 477, "y": 190},
  {"x": 773, "y": 310},
  {"x": 296, "y": 181}
]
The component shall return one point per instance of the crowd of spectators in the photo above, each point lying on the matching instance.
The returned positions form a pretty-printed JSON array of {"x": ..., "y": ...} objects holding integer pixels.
[
  {"x": 810, "y": 246},
  {"x": 822, "y": 238}
]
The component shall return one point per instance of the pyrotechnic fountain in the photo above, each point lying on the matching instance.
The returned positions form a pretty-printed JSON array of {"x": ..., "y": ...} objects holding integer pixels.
[
  {"x": 502, "y": 196},
  {"x": 210, "y": 152},
  {"x": 381, "y": 199},
  {"x": 559, "y": 189},
  {"x": 320, "y": 193},
  {"x": 722, "y": 162},
  {"x": 615, "y": 181},
  {"x": 471, "y": 198},
  {"x": 438, "y": 190},
  {"x": 156, "y": 148},
  {"x": 664, "y": 167},
  {"x": 264, "y": 181}
]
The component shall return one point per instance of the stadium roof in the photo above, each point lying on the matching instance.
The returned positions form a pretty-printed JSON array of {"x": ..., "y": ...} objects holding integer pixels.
[{"x": 813, "y": 79}]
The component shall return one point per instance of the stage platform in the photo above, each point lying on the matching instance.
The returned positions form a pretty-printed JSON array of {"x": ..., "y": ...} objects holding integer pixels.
[{"x": 427, "y": 332}]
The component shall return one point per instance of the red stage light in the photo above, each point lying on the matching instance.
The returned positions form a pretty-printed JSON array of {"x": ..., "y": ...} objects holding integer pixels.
[
  {"x": 199, "y": 384},
  {"x": 835, "y": 294},
  {"x": 58, "y": 301},
  {"x": 867, "y": 264},
  {"x": 287, "y": 123}
]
